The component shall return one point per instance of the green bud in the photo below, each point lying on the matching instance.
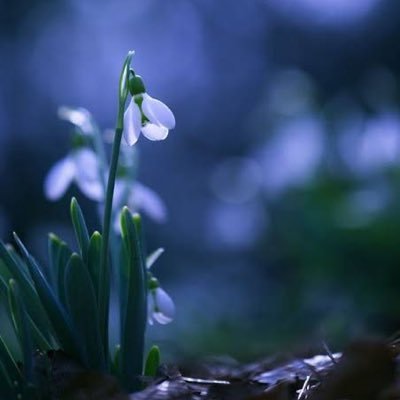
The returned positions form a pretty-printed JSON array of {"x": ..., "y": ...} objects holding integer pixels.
[
  {"x": 78, "y": 141},
  {"x": 136, "y": 85},
  {"x": 153, "y": 283}
]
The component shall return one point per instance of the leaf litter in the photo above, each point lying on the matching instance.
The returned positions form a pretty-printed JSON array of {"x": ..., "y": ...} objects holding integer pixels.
[{"x": 366, "y": 370}]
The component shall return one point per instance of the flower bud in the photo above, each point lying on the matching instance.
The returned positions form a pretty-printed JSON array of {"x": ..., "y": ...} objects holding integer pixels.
[
  {"x": 153, "y": 283},
  {"x": 136, "y": 85},
  {"x": 78, "y": 141}
]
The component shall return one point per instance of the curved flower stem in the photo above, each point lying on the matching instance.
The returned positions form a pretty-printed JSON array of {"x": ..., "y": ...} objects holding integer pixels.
[{"x": 104, "y": 289}]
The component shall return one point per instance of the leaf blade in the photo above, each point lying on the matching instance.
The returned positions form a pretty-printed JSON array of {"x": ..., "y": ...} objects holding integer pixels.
[{"x": 82, "y": 303}]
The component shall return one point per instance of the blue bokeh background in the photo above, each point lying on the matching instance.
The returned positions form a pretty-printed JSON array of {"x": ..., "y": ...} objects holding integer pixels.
[{"x": 281, "y": 178}]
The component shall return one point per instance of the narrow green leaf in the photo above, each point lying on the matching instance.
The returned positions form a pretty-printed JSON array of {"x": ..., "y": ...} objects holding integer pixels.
[
  {"x": 94, "y": 259},
  {"x": 8, "y": 361},
  {"x": 116, "y": 361},
  {"x": 18, "y": 260},
  {"x": 59, "y": 318},
  {"x": 3, "y": 289},
  {"x": 22, "y": 329},
  {"x": 134, "y": 318},
  {"x": 153, "y": 257},
  {"x": 82, "y": 305},
  {"x": 81, "y": 231},
  {"x": 6, "y": 383},
  {"x": 65, "y": 255},
  {"x": 152, "y": 361},
  {"x": 39, "y": 338},
  {"x": 59, "y": 254},
  {"x": 28, "y": 292},
  {"x": 53, "y": 247}
]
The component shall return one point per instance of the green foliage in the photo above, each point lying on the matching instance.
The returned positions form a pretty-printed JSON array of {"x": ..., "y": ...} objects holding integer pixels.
[
  {"x": 134, "y": 317},
  {"x": 81, "y": 230},
  {"x": 82, "y": 307},
  {"x": 66, "y": 306},
  {"x": 60, "y": 310},
  {"x": 152, "y": 361}
]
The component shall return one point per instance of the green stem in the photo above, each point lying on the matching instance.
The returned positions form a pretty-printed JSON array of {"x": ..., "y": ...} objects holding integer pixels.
[{"x": 104, "y": 289}]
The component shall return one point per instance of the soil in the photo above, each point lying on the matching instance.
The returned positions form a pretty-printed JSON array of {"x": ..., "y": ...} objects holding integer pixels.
[{"x": 366, "y": 370}]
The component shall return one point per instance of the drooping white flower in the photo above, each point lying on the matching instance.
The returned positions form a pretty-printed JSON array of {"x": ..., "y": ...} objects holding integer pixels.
[
  {"x": 161, "y": 307},
  {"x": 146, "y": 115},
  {"x": 79, "y": 166},
  {"x": 80, "y": 117},
  {"x": 138, "y": 198}
]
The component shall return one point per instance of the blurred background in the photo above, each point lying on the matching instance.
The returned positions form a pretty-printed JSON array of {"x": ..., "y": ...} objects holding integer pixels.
[{"x": 281, "y": 179}]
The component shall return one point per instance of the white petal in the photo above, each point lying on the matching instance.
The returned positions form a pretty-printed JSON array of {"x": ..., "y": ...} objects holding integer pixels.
[
  {"x": 165, "y": 308},
  {"x": 157, "y": 112},
  {"x": 144, "y": 199},
  {"x": 87, "y": 174},
  {"x": 132, "y": 123},
  {"x": 92, "y": 190},
  {"x": 154, "y": 132},
  {"x": 150, "y": 308},
  {"x": 153, "y": 257},
  {"x": 59, "y": 178},
  {"x": 80, "y": 117}
]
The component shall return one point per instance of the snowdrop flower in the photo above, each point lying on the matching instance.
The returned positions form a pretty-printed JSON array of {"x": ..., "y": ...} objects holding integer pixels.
[
  {"x": 138, "y": 197},
  {"x": 161, "y": 308},
  {"x": 79, "y": 166},
  {"x": 146, "y": 115},
  {"x": 80, "y": 117}
]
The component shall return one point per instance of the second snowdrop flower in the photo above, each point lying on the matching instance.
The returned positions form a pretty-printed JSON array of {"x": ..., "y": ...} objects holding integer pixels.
[
  {"x": 79, "y": 166},
  {"x": 146, "y": 115}
]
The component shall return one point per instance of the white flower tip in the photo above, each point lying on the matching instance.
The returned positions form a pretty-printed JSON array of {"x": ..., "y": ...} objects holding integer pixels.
[
  {"x": 155, "y": 132},
  {"x": 161, "y": 318}
]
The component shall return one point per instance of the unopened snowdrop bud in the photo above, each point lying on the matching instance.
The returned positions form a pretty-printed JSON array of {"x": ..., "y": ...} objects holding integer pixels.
[{"x": 136, "y": 85}]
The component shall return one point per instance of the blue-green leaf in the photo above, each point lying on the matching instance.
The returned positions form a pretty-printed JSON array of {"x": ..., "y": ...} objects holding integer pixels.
[
  {"x": 152, "y": 361},
  {"x": 22, "y": 329},
  {"x": 6, "y": 383},
  {"x": 94, "y": 259},
  {"x": 56, "y": 313},
  {"x": 81, "y": 231},
  {"x": 33, "y": 304},
  {"x": 134, "y": 318},
  {"x": 82, "y": 305},
  {"x": 8, "y": 361},
  {"x": 59, "y": 254}
]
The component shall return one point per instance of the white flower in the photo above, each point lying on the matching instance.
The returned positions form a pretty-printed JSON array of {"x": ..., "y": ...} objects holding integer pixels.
[
  {"x": 158, "y": 119},
  {"x": 79, "y": 166},
  {"x": 138, "y": 197},
  {"x": 161, "y": 308},
  {"x": 80, "y": 117}
]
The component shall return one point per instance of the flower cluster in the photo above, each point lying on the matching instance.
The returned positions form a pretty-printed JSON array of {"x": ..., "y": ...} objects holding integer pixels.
[{"x": 82, "y": 166}]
